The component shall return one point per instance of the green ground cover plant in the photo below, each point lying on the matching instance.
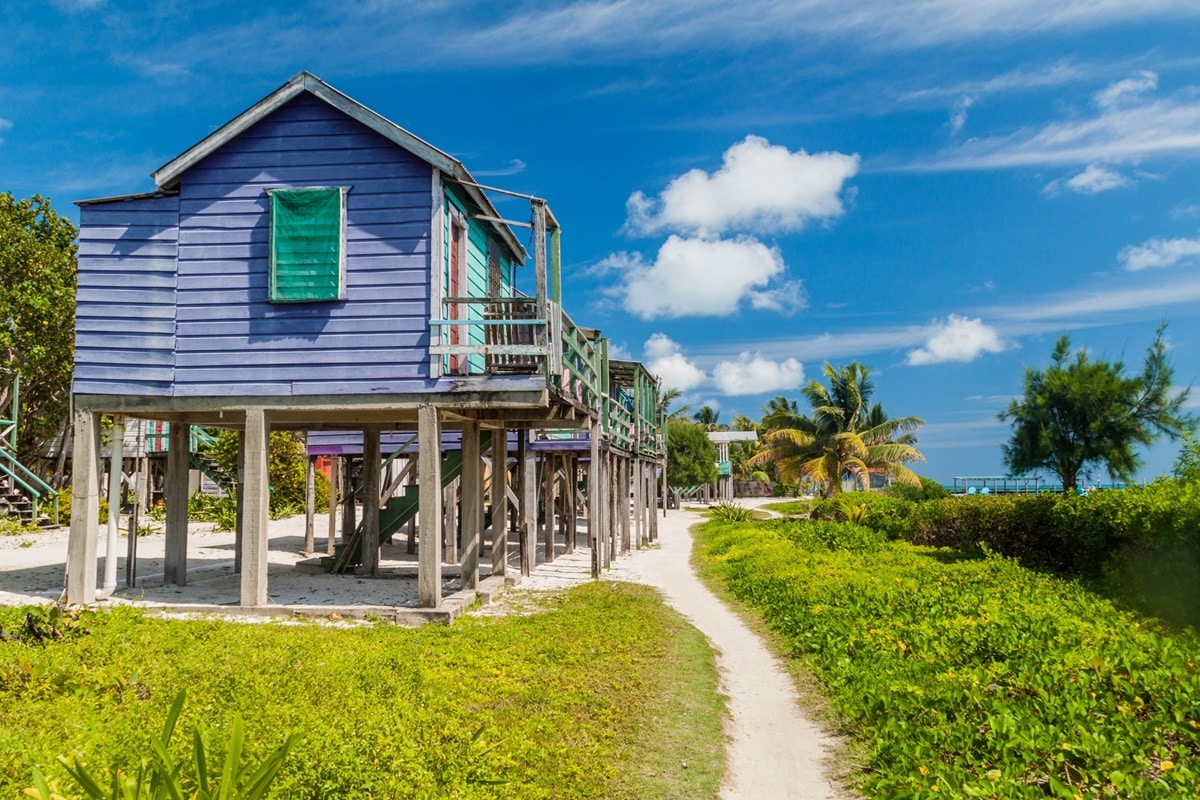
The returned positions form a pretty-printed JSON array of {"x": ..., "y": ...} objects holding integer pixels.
[
  {"x": 603, "y": 693},
  {"x": 965, "y": 674}
]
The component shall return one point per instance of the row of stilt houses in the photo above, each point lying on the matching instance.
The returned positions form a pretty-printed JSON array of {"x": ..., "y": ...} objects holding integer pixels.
[{"x": 311, "y": 266}]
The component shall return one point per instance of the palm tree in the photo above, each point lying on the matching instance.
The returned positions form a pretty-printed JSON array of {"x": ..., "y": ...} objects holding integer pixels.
[
  {"x": 665, "y": 398},
  {"x": 844, "y": 436},
  {"x": 707, "y": 417}
]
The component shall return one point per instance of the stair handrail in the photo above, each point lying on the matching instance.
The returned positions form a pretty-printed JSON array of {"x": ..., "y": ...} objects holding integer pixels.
[{"x": 44, "y": 487}]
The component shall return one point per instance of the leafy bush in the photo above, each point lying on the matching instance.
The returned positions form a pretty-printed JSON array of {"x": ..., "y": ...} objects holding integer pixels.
[
  {"x": 731, "y": 512},
  {"x": 928, "y": 490},
  {"x": 973, "y": 677},
  {"x": 888, "y": 515},
  {"x": 829, "y": 536}
]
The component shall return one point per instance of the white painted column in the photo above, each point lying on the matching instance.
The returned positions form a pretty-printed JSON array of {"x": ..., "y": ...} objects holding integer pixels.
[
  {"x": 115, "y": 470},
  {"x": 429, "y": 476},
  {"x": 256, "y": 496},
  {"x": 85, "y": 510}
]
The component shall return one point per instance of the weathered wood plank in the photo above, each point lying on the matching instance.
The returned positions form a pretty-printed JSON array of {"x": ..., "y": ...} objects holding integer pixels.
[
  {"x": 256, "y": 499},
  {"x": 429, "y": 470}
]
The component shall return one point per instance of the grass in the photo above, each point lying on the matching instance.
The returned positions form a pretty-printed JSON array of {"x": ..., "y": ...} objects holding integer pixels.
[
  {"x": 971, "y": 677},
  {"x": 605, "y": 693}
]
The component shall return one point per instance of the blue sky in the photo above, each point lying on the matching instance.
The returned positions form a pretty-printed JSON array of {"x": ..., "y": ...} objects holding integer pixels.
[{"x": 937, "y": 188}]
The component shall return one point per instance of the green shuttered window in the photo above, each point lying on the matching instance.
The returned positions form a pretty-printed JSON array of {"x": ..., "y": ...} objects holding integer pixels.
[{"x": 308, "y": 245}]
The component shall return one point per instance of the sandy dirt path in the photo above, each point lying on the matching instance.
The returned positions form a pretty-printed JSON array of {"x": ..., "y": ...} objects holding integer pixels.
[{"x": 774, "y": 750}]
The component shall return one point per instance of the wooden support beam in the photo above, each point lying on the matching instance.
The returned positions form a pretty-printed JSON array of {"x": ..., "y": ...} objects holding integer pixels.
[
  {"x": 349, "y": 511},
  {"x": 178, "y": 469},
  {"x": 239, "y": 504},
  {"x": 652, "y": 494},
  {"x": 549, "y": 471},
  {"x": 372, "y": 466},
  {"x": 472, "y": 505},
  {"x": 527, "y": 465},
  {"x": 450, "y": 512},
  {"x": 257, "y": 498},
  {"x": 539, "y": 255},
  {"x": 85, "y": 510},
  {"x": 429, "y": 476},
  {"x": 593, "y": 499},
  {"x": 639, "y": 503},
  {"x": 310, "y": 505},
  {"x": 570, "y": 500},
  {"x": 499, "y": 501},
  {"x": 335, "y": 480}
]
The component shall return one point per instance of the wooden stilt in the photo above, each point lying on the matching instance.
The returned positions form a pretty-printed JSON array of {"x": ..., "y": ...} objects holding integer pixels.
[
  {"x": 528, "y": 525},
  {"x": 571, "y": 500},
  {"x": 178, "y": 467},
  {"x": 335, "y": 478},
  {"x": 499, "y": 501},
  {"x": 472, "y": 505},
  {"x": 85, "y": 510},
  {"x": 310, "y": 505},
  {"x": 372, "y": 466},
  {"x": 429, "y": 476},
  {"x": 593, "y": 498},
  {"x": 239, "y": 504},
  {"x": 450, "y": 511},
  {"x": 349, "y": 521},
  {"x": 652, "y": 499},
  {"x": 550, "y": 464},
  {"x": 639, "y": 503},
  {"x": 257, "y": 498}
]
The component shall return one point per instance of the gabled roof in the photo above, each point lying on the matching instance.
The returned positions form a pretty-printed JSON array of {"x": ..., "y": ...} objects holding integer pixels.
[{"x": 167, "y": 176}]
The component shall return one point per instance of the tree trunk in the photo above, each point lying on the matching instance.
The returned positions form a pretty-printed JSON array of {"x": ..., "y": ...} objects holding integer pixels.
[{"x": 1070, "y": 479}]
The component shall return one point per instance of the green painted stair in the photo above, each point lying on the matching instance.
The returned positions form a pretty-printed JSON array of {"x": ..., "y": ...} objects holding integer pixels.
[{"x": 398, "y": 511}]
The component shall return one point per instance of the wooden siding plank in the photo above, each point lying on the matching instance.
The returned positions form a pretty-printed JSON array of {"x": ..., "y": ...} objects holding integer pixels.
[{"x": 217, "y": 185}]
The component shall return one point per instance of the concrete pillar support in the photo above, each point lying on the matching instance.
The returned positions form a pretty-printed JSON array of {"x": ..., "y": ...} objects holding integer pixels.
[
  {"x": 429, "y": 476},
  {"x": 85, "y": 510},
  {"x": 256, "y": 497}
]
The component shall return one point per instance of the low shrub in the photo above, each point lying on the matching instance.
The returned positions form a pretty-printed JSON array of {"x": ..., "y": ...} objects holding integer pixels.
[
  {"x": 888, "y": 515},
  {"x": 731, "y": 512},
  {"x": 966, "y": 676},
  {"x": 827, "y": 535}
]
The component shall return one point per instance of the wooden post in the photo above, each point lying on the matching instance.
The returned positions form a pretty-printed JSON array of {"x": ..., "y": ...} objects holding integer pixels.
[
  {"x": 178, "y": 467},
  {"x": 623, "y": 503},
  {"x": 652, "y": 495},
  {"x": 349, "y": 512},
  {"x": 593, "y": 498},
  {"x": 310, "y": 505},
  {"x": 450, "y": 511},
  {"x": 257, "y": 498},
  {"x": 372, "y": 464},
  {"x": 548, "y": 503},
  {"x": 472, "y": 505},
  {"x": 335, "y": 483},
  {"x": 528, "y": 468},
  {"x": 239, "y": 504},
  {"x": 499, "y": 501},
  {"x": 539, "y": 255},
  {"x": 571, "y": 498},
  {"x": 429, "y": 476},
  {"x": 85, "y": 509},
  {"x": 115, "y": 470}
]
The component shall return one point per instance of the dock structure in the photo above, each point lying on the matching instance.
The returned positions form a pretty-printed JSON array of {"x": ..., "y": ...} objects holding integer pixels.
[{"x": 311, "y": 266}]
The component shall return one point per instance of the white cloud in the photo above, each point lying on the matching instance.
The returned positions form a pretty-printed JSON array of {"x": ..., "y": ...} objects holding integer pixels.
[
  {"x": 1185, "y": 210},
  {"x": 1125, "y": 132},
  {"x": 1157, "y": 253},
  {"x": 665, "y": 359},
  {"x": 786, "y": 298},
  {"x": 698, "y": 277},
  {"x": 759, "y": 187},
  {"x": 958, "y": 114},
  {"x": 956, "y": 339},
  {"x": 1115, "y": 93},
  {"x": 514, "y": 167},
  {"x": 753, "y": 374},
  {"x": 5, "y": 124},
  {"x": 619, "y": 352},
  {"x": 1093, "y": 180}
]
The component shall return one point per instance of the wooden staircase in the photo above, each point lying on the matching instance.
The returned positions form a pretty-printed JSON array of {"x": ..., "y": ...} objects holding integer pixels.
[{"x": 397, "y": 512}]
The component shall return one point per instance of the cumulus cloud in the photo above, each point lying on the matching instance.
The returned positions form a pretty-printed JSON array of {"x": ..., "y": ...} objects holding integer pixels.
[
  {"x": 759, "y": 187},
  {"x": 1113, "y": 94},
  {"x": 700, "y": 277},
  {"x": 665, "y": 359},
  {"x": 753, "y": 374},
  {"x": 1093, "y": 180},
  {"x": 1157, "y": 253},
  {"x": 956, "y": 339}
]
